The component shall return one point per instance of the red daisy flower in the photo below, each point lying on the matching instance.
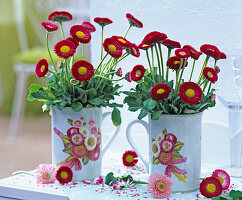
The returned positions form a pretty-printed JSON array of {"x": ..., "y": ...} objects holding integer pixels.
[
  {"x": 210, "y": 50},
  {"x": 79, "y": 151},
  {"x": 73, "y": 40},
  {"x": 130, "y": 158},
  {"x": 71, "y": 131},
  {"x": 174, "y": 63},
  {"x": 112, "y": 47},
  {"x": 210, "y": 74},
  {"x": 171, "y": 137},
  {"x": 41, "y": 68},
  {"x": 133, "y": 21},
  {"x": 223, "y": 178},
  {"x": 60, "y": 16},
  {"x": 119, "y": 72},
  {"x": 128, "y": 77},
  {"x": 167, "y": 146},
  {"x": 222, "y": 55},
  {"x": 82, "y": 70},
  {"x": 154, "y": 37},
  {"x": 49, "y": 26},
  {"x": 210, "y": 187},
  {"x": 65, "y": 49},
  {"x": 182, "y": 53},
  {"x": 64, "y": 175},
  {"x": 134, "y": 50},
  {"x": 165, "y": 158},
  {"x": 103, "y": 21},
  {"x": 193, "y": 52},
  {"x": 171, "y": 44},
  {"x": 137, "y": 72},
  {"x": 80, "y": 33},
  {"x": 144, "y": 46},
  {"x": 89, "y": 26},
  {"x": 76, "y": 139},
  {"x": 122, "y": 41},
  {"x": 190, "y": 93},
  {"x": 160, "y": 91}
]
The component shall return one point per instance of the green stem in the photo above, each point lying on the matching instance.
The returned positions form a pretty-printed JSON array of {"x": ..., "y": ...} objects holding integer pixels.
[
  {"x": 140, "y": 182},
  {"x": 205, "y": 85},
  {"x": 22, "y": 172},
  {"x": 158, "y": 60},
  {"x": 152, "y": 59},
  {"x": 83, "y": 51},
  {"x": 110, "y": 79},
  {"x": 167, "y": 68},
  {"x": 204, "y": 65},
  {"x": 48, "y": 49},
  {"x": 67, "y": 74},
  {"x": 148, "y": 58},
  {"x": 159, "y": 45},
  {"x": 62, "y": 31},
  {"x": 210, "y": 84},
  {"x": 53, "y": 73},
  {"x": 127, "y": 31},
  {"x": 193, "y": 65},
  {"x": 102, "y": 44},
  {"x": 183, "y": 68},
  {"x": 177, "y": 76},
  {"x": 149, "y": 79},
  {"x": 100, "y": 64},
  {"x": 202, "y": 82}
]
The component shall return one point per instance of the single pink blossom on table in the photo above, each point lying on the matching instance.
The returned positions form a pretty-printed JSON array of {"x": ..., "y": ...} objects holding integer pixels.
[
  {"x": 45, "y": 174},
  {"x": 159, "y": 185},
  {"x": 98, "y": 180}
]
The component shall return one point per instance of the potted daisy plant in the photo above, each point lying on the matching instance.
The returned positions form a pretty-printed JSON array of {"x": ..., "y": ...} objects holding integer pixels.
[
  {"x": 76, "y": 92},
  {"x": 174, "y": 100}
]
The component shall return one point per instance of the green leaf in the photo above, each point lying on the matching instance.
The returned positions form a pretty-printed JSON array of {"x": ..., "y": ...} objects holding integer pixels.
[
  {"x": 189, "y": 111},
  {"x": 116, "y": 117},
  {"x": 67, "y": 149},
  {"x": 152, "y": 139},
  {"x": 85, "y": 160},
  {"x": 30, "y": 98},
  {"x": 164, "y": 132},
  {"x": 236, "y": 194},
  {"x": 65, "y": 139},
  {"x": 96, "y": 101},
  {"x": 177, "y": 155},
  {"x": 149, "y": 104},
  {"x": 178, "y": 146},
  {"x": 34, "y": 87},
  {"x": 155, "y": 161},
  {"x": 133, "y": 109},
  {"x": 142, "y": 114},
  {"x": 80, "y": 91},
  {"x": 76, "y": 106},
  {"x": 70, "y": 121},
  {"x": 91, "y": 93},
  {"x": 84, "y": 123},
  {"x": 62, "y": 105},
  {"x": 156, "y": 115},
  {"x": 110, "y": 179}
]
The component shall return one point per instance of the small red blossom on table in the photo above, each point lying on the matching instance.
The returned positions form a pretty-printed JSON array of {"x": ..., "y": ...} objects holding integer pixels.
[{"x": 130, "y": 158}]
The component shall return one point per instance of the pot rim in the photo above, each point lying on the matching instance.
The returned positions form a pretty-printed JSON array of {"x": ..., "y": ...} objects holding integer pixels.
[
  {"x": 69, "y": 108},
  {"x": 176, "y": 116}
]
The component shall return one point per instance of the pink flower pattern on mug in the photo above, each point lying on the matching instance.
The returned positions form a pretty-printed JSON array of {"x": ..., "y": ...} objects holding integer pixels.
[
  {"x": 81, "y": 142},
  {"x": 166, "y": 151}
]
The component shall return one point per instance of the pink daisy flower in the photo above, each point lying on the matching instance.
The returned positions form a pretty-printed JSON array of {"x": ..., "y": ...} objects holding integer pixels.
[
  {"x": 159, "y": 185},
  {"x": 45, "y": 174},
  {"x": 91, "y": 121},
  {"x": 223, "y": 177},
  {"x": 119, "y": 72},
  {"x": 98, "y": 180},
  {"x": 94, "y": 130},
  {"x": 77, "y": 123}
]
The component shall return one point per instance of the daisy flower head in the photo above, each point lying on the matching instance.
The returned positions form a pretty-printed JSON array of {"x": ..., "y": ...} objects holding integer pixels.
[
  {"x": 45, "y": 174},
  {"x": 91, "y": 122},
  {"x": 94, "y": 130},
  {"x": 174, "y": 63},
  {"x": 76, "y": 139},
  {"x": 171, "y": 137},
  {"x": 64, "y": 175},
  {"x": 112, "y": 47},
  {"x": 71, "y": 131},
  {"x": 222, "y": 55},
  {"x": 137, "y": 72},
  {"x": 77, "y": 123},
  {"x": 65, "y": 49},
  {"x": 159, "y": 185},
  {"x": 223, "y": 177},
  {"x": 119, "y": 72},
  {"x": 160, "y": 91},
  {"x": 130, "y": 158},
  {"x": 94, "y": 154},
  {"x": 78, "y": 151},
  {"x": 182, "y": 53},
  {"x": 99, "y": 138},
  {"x": 89, "y": 26},
  {"x": 171, "y": 44},
  {"x": 134, "y": 50},
  {"x": 121, "y": 184},
  {"x": 154, "y": 37},
  {"x": 80, "y": 33},
  {"x": 210, "y": 50},
  {"x": 98, "y": 180},
  {"x": 122, "y": 41},
  {"x": 60, "y": 16},
  {"x": 103, "y": 21},
  {"x": 167, "y": 146},
  {"x": 211, "y": 187},
  {"x": 210, "y": 74},
  {"x": 73, "y": 40},
  {"x": 144, "y": 46},
  {"x": 49, "y": 26},
  {"x": 41, "y": 68},
  {"x": 128, "y": 77},
  {"x": 134, "y": 21},
  {"x": 90, "y": 142},
  {"x": 165, "y": 158},
  {"x": 82, "y": 70},
  {"x": 155, "y": 147},
  {"x": 190, "y": 93},
  {"x": 193, "y": 52}
]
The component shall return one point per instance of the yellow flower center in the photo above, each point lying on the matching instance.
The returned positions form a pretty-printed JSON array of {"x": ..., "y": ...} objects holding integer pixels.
[
  {"x": 65, "y": 49},
  {"x": 82, "y": 71},
  {"x": 145, "y": 45},
  {"x": 80, "y": 34},
  {"x": 129, "y": 158},
  {"x": 164, "y": 155},
  {"x": 154, "y": 148},
  {"x": 122, "y": 40},
  {"x": 77, "y": 138},
  {"x": 190, "y": 93},
  {"x": 77, "y": 122},
  {"x": 177, "y": 62},
  {"x": 211, "y": 188},
  {"x": 160, "y": 91},
  {"x": 160, "y": 186},
  {"x": 49, "y": 26},
  {"x": 209, "y": 74},
  {"x": 96, "y": 155},
  {"x": 42, "y": 68},
  {"x": 63, "y": 175},
  {"x": 182, "y": 53},
  {"x": 91, "y": 142},
  {"x": 112, "y": 48},
  {"x": 221, "y": 179},
  {"x": 138, "y": 73},
  {"x": 167, "y": 145}
]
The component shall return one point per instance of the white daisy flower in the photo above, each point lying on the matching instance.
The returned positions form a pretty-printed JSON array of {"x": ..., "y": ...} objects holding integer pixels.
[
  {"x": 159, "y": 138},
  {"x": 90, "y": 142},
  {"x": 155, "y": 147}
]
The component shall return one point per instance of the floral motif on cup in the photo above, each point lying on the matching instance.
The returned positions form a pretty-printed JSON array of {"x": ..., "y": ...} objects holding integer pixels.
[
  {"x": 81, "y": 142},
  {"x": 166, "y": 151}
]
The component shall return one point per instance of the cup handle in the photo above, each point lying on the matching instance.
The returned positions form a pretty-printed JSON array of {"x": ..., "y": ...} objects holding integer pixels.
[
  {"x": 131, "y": 142},
  {"x": 114, "y": 134}
]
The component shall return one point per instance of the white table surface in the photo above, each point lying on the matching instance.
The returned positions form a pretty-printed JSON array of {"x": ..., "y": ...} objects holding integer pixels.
[{"x": 24, "y": 187}]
